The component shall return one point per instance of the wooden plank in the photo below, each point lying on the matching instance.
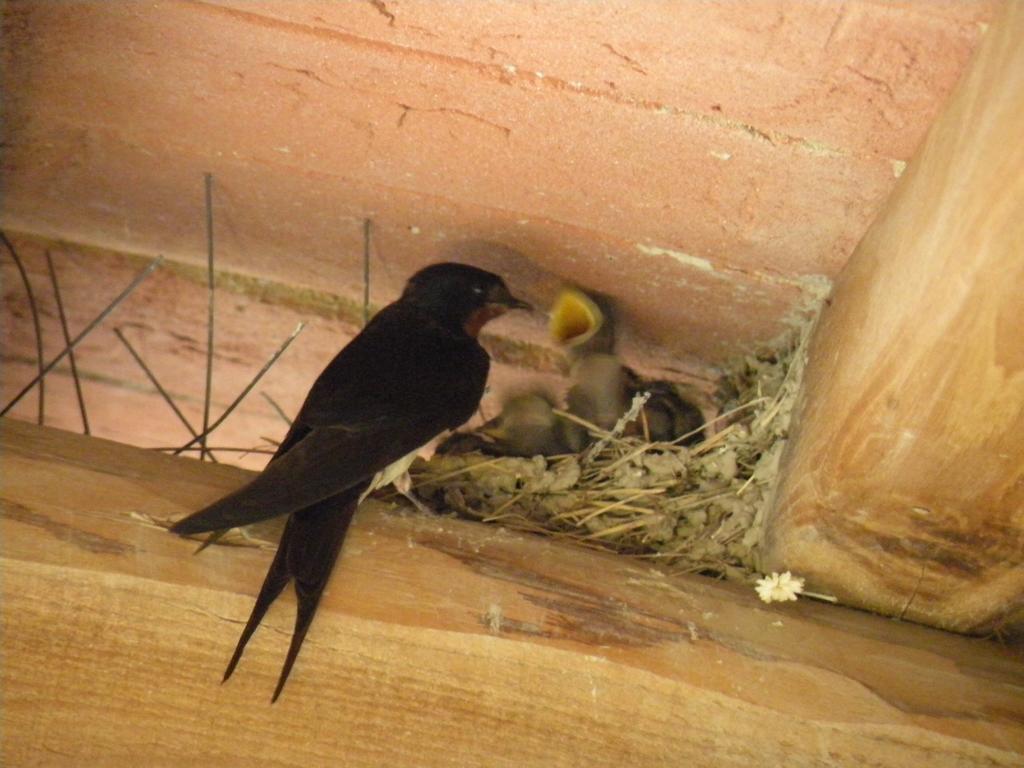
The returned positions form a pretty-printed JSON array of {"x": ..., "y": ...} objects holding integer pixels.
[
  {"x": 440, "y": 642},
  {"x": 903, "y": 488}
]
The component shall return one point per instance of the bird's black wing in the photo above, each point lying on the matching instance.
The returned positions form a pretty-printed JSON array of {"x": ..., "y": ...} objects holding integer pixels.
[
  {"x": 397, "y": 385},
  {"x": 325, "y": 462},
  {"x": 402, "y": 364}
]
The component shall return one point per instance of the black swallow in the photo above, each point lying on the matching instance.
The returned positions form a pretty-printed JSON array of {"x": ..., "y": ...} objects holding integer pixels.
[{"x": 414, "y": 371}]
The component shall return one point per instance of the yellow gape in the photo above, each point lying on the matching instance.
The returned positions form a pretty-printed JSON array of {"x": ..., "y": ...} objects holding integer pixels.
[{"x": 575, "y": 318}]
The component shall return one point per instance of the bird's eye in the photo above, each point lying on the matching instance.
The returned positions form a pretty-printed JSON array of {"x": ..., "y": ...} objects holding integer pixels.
[{"x": 478, "y": 290}]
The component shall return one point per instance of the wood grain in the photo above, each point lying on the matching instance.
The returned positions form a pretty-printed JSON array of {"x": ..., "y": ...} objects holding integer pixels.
[
  {"x": 440, "y": 642},
  {"x": 903, "y": 488}
]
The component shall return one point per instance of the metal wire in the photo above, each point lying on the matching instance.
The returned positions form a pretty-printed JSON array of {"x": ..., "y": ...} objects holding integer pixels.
[{"x": 85, "y": 332}]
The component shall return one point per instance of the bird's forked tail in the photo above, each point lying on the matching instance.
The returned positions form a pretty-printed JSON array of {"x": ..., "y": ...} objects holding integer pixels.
[{"x": 309, "y": 547}]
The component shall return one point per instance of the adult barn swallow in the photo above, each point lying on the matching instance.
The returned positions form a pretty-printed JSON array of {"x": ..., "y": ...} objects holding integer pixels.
[{"x": 413, "y": 372}]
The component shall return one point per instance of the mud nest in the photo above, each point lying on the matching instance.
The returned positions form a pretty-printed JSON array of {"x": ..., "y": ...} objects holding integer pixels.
[{"x": 698, "y": 508}]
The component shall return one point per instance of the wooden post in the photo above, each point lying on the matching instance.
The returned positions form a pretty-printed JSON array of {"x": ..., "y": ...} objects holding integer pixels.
[
  {"x": 903, "y": 486},
  {"x": 439, "y": 642}
]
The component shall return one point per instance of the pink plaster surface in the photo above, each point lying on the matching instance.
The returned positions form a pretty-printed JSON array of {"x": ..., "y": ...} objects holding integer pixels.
[{"x": 696, "y": 161}]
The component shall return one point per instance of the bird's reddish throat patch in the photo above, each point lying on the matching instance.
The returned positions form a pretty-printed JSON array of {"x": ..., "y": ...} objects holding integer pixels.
[{"x": 480, "y": 317}]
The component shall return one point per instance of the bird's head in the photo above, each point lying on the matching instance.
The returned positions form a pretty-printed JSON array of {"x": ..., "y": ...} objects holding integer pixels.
[{"x": 461, "y": 295}]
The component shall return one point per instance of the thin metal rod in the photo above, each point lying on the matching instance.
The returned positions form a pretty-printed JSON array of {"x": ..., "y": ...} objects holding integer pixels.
[
  {"x": 277, "y": 408},
  {"x": 248, "y": 388},
  {"x": 208, "y": 183},
  {"x": 67, "y": 341},
  {"x": 175, "y": 449},
  {"x": 85, "y": 332},
  {"x": 367, "y": 224},
  {"x": 34, "y": 310},
  {"x": 156, "y": 383}
]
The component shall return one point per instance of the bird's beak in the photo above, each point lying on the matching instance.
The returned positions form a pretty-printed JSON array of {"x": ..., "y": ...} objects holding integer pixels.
[
  {"x": 501, "y": 297},
  {"x": 575, "y": 318},
  {"x": 515, "y": 303}
]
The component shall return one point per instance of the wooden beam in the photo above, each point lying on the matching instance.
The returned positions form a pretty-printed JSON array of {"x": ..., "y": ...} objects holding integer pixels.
[
  {"x": 903, "y": 487},
  {"x": 440, "y": 642}
]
